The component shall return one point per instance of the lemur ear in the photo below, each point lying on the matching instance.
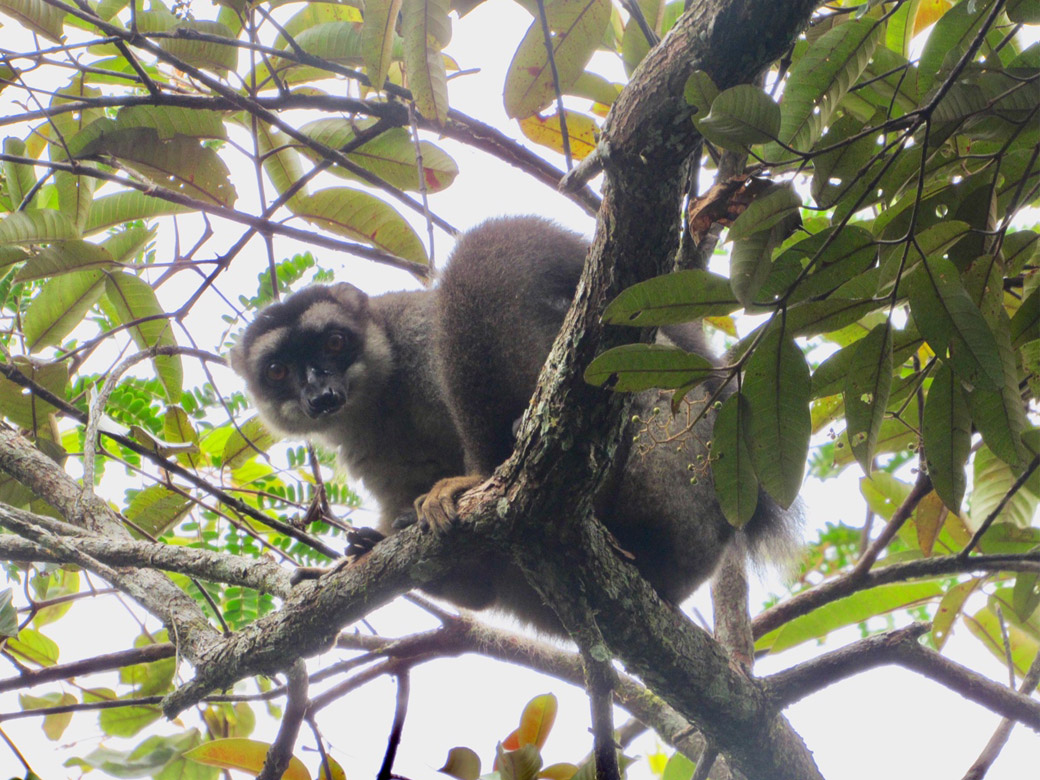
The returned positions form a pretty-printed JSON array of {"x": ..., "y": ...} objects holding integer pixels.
[{"x": 351, "y": 298}]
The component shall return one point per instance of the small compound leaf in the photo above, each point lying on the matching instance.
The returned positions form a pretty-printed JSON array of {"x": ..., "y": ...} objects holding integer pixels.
[
  {"x": 364, "y": 217},
  {"x": 462, "y": 764},
  {"x": 741, "y": 116},
  {"x": 245, "y": 754},
  {"x": 636, "y": 367},
  {"x": 682, "y": 296},
  {"x": 577, "y": 28},
  {"x": 736, "y": 485},
  {"x": 546, "y": 131},
  {"x": 866, "y": 391},
  {"x": 946, "y": 428},
  {"x": 776, "y": 386}
]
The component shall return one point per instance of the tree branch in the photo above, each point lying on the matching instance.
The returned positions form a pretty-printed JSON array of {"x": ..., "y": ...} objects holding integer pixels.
[{"x": 900, "y": 647}]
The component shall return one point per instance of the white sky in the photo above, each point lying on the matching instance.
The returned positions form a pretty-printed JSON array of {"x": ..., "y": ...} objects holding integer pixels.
[{"x": 889, "y": 722}]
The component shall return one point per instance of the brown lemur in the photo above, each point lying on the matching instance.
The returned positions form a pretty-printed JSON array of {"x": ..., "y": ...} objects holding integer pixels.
[{"x": 414, "y": 388}]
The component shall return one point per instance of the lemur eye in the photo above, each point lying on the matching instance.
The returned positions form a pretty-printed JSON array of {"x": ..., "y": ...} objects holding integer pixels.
[
  {"x": 276, "y": 372},
  {"x": 335, "y": 342}
]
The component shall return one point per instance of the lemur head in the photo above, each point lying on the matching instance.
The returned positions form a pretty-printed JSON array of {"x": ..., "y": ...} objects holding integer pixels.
[{"x": 305, "y": 359}]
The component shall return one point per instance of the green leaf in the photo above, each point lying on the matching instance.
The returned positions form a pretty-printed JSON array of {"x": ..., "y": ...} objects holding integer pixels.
[
  {"x": 993, "y": 478},
  {"x": 8, "y": 615},
  {"x": 249, "y": 440},
  {"x": 736, "y": 485},
  {"x": 776, "y": 386},
  {"x": 31, "y": 645},
  {"x": 170, "y": 121},
  {"x": 700, "y": 91},
  {"x": 1025, "y": 325},
  {"x": 866, "y": 392},
  {"x": 208, "y": 55},
  {"x": 134, "y": 301},
  {"x": 1023, "y": 12},
  {"x": 40, "y": 17},
  {"x": 935, "y": 240},
  {"x": 946, "y": 428},
  {"x": 847, "y": 255},
  {"x": 835, "y": 171},
  {"x": 128, "y": 243},
  {"x": 36, "y": 227},
  {"x": 377, "y": 38},
  {"x": 741, "y": 116},
  {"x": 820, "y": 79},
  {"x": 122, "y": 207},
  {"x": 361, "y": 216},
  {"x": 952, "y": 324},
  {"x": 54, "y": 725},
  {"x": 20, "y": 178},
  {"x": 390, "y": 156},
  {"x": 634, "y": 45},
  {"x": 950, "y": 37},
  {"x": 521, "y": 764},
  {"x": 577, "y": 27},
  {"x": 682, "y": 296},
  {"x": 129, "y": 720},
  {"x": 635, "y": 367},
  {"x": 157, "y": 508},
  {"x": 60, "y": 306},
  {"x": 281, "y": 162},
  {"x": 27, "y": 409},
  {"x": 773, "y": 208},
  {"x": 181, "y": 164},
  {"x": 64, "y": 257},
  {"x": 426, "y": 30},
  {"x": 848, "y": 611},
  {"x": 462, "y": 764},
  {"x": 950, "y": 608}
]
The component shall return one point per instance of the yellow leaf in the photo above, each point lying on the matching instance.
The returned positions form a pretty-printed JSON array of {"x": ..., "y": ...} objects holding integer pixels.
[
  {"x": 537, "y": 720},
  {"x": 245, "y": 754},
  {"x": 928, "y": 12},
  {"x": 581, "y": 131}
]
